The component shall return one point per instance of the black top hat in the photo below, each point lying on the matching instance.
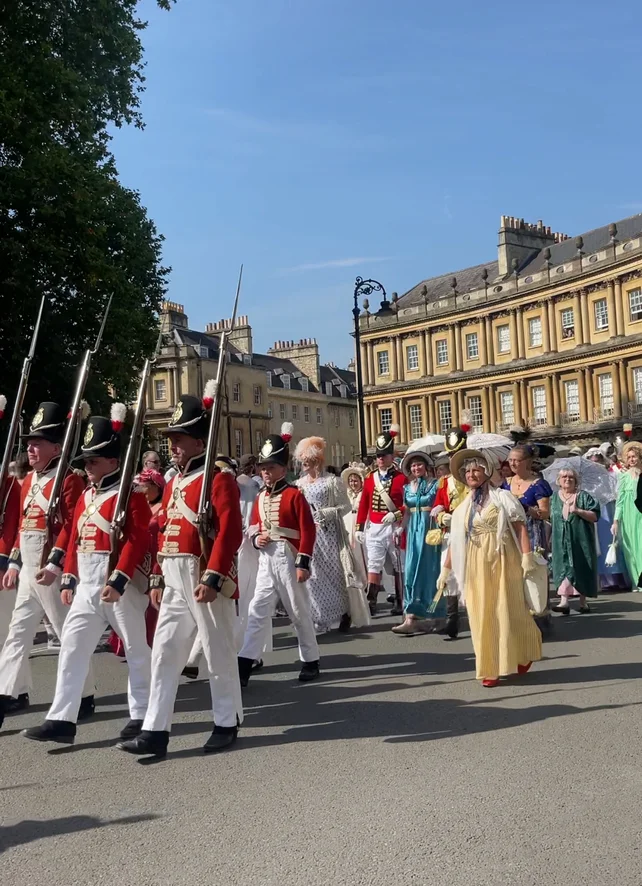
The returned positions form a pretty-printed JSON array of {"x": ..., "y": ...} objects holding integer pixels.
[
  {"x": 101, "y": 439},
  {"x": 191, "y": 416},
  {"x": 385, "y": 442},
  {"x": 275, "y": 449},
  {"x": 48, "y": 423}
]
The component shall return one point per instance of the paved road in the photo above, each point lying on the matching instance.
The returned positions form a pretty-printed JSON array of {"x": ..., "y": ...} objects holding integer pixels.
[{"x": 396, "y": 768}]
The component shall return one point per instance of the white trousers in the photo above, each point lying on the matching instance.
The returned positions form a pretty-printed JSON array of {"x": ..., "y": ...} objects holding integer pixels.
[
  {"x": 277, "y": 577},
  {"x": 87, "y": 619},
  {"x": 380, "y": 546},
  {"x": 32, "y": 602},
  {"x": 7, "y": 604},
  {"x": 180, "y": 618}
]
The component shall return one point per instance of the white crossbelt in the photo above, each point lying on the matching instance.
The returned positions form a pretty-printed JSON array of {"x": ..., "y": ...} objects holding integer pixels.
[
  {"x": 274, "y": 531},
  {"x": 36, "y": 490},
  {"x": 178, "y": 487},
  {"x": 388, "y": 502},
  {"x": 91, "y": 514}
]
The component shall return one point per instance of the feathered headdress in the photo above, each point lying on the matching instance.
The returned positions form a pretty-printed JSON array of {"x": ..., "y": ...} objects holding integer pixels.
[
  {"x": 209, "y": 393},
  {"x": 117, "y": 416},
  {"x": 3, "y": 404},
  {"x": 310, "y": 449},
  {"x": 287, "y": 430}
]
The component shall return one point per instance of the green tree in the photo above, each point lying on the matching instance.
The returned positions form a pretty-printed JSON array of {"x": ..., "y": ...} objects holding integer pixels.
[{"x": 68, "y": 229}]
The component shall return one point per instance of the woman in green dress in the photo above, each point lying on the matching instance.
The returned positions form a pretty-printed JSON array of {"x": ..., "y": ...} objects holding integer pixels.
[
  {"x": 627, "y": 526},
  {"x": 574, "y": 514}
]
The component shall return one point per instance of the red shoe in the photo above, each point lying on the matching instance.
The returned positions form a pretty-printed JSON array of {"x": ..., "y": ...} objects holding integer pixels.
[
  {"x": 490, "y": 684},
  {"x": 524, "y": 669}
]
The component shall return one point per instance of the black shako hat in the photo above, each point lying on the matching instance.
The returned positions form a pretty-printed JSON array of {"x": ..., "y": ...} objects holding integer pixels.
[
  {"x": 275, "y": 449},
  {"x": 385, "y": 442},
  {"x": 103, "y": 435},
  {"x": 191, "y": 416},
  {"x": 48, "y": 423}
]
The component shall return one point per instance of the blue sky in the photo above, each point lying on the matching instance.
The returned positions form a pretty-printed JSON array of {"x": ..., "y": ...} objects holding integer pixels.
[{"x": 315, "y": 140}]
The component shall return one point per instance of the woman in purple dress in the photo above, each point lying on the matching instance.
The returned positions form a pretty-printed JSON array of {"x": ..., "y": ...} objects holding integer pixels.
[{"x": 532, "y": 492}]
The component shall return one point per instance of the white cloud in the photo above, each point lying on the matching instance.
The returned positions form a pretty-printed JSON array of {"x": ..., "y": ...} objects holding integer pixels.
[{"x": 334, "y": 263}]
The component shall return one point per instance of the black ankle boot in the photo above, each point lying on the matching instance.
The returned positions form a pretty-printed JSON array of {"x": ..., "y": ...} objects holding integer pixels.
[
  {"x": 131, "y": 730},
  {"x": 373, "y": 593},
  {"x": 222, "y": 738},
  {"x": 153, "y": 744},
  {"x": 21, "y": 703},
  {"x": 4, "y": 702},
  {"x": 245, "y": 669},
  {"x": 190, "y": 672},
  {"x": 87, "y": 708},
  {"x": 309, "y": 671},
  {"x": 452, "y": 618},
  {"x": 61, "y": 731}
]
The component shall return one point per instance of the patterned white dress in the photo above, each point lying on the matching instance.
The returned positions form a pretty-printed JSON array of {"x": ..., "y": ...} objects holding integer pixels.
[{"x": 327, "y": 588}]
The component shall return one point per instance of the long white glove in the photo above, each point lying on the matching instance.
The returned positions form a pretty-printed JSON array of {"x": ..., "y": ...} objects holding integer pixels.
[
  {"x": 446, "y": 520},
  {"x": 529, "y": 563},
  {"x": 437, "y": 510},
  {"x": 389, "y": 518},
  {"x": 444, "y": 575},
  {"x": 359, "y": 536}
]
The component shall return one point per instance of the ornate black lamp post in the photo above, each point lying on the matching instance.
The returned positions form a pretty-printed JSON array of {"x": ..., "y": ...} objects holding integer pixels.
[{"x": 361, "y": 288}]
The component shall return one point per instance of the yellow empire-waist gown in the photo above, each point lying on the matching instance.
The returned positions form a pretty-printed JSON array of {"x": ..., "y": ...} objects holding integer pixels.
[{"x": 503, "y": 631}]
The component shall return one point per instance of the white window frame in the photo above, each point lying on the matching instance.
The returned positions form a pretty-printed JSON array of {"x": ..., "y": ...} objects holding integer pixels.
[
  {"x": 385, "y": 419},
  {"x": 535, "y": 332},
  {"x": 383, "y": 363},
  {"x": 285, "y": 379},
  {"x": 415, "y": 421},
  {"x": 472, "y": 346},
  {"x": 257, "y": 395},
  {"x": 567, "y": 322},
  {"x": 605, "y": 388},
  {"x": 328, "y": 389},
  {"x": 637, "y": 384},
  {"x": 503, "y": 339},
  {"x": 305, "y": 383},
  {"x": 601, "y": 314},
  {"x": 270, "y": 411},
  {"x": 441, "y": 351},
  {"x": 238, "y": 442},
  {"x": 295, "y": 412},
  {"x": 445, "y": 410},
  {"x": 282, "y": 411},
  {"x": 236, "y": 392},
  {"x": 476, "y": 413},
  {"x": 268, "y": 375},
  {"x": 538, "y": 399},
  {"x": 635, "y": 305},
  {"x": 160, "y": 385},
  {"x": 572, "y": 398},
  {"x": 507, "y": 407},
  {"x": 319, "y": 415},
  {"x": 412, "y": 358},
  {"x": 306, "y": 414}
]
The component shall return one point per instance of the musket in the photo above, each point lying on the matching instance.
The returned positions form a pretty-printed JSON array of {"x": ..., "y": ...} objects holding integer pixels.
[
  {"x": 128, "y": 466},
  {"x": 53, "y": 507},
  {"x": 17, "y": 410},
  {"x": 204, "y": 513}
]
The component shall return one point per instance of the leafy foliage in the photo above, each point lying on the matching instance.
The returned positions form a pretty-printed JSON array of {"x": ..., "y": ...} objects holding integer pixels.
[{"x": 68, "y": 228}]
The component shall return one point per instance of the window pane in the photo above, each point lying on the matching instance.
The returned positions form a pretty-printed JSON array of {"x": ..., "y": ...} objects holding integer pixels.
[
  {"x": 472, "y": 346},
  {"x": 415, "y": 421},
  {"x": 295, "y": 412},
  {"x": 160, "y": 390},
  {"x": 507, "y": 407},
  {"x": 412, "y": 357},
  {"x": 257, "y": 395},
  {"x": 286, "y": 380},
  {"x": 601, "y": 314},
  {"x": 236, "y": 393},
  {"x": 607, "y": 403},
  {"x": 282, "y": 413},
  {"x": 503, "y": 339},
  {"x": 445, "y": 416},
  {"x": 637, "y": 385},
  {"x": 568, "y": 323},
  {"x": 572, "y": 392},
  {"x": 635, "y": 304},
  {"x": 238, "y": 442},
  {"x": 539, "y": 405},
  {"x": 319, "y": 416},
  {"x": 535, "y": 332},
  {"x": 306, "y": 413},
  {"x": 476, "y": 417},
  {"x": 385, "y": 419},
  {"x": 270, "y": 411},
  {"x": 382, "y": 358},
  {"x": 442, "y": 351}
]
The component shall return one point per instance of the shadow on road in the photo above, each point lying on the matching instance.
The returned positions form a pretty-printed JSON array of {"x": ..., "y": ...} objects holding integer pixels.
[{"x": 28, "y": 831}]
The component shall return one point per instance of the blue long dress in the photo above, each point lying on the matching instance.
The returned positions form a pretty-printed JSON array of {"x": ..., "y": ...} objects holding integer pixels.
[
  {"x": 423, "y": 562},
  {"x": 610, "y": 576},
  {"x": 536, "y": 528}
]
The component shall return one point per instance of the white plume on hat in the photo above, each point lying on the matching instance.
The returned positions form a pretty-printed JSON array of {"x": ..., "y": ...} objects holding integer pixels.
[
  {"x": 118, "y": 415},
  {"x": 3, "y": 404},
  {"x": 209, "y": 393},
  {"x": 85, "y": 410},
  {"x": 287, "y": 431}
]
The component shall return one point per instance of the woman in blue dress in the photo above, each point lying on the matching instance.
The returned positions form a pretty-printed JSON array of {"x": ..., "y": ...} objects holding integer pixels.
[
  {"x": 423, "y": 561},
  {"x": 533, "y": 493}
]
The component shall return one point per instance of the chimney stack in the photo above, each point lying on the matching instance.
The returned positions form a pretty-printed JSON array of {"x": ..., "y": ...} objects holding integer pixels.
[{"x": 520, "y": 241}]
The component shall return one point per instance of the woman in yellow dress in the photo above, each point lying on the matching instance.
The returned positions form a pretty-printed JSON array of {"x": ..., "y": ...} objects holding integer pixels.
[{"x": 489, "y": 555}]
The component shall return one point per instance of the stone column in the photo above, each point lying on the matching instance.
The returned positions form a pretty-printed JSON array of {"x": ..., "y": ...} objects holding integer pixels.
[
  {"x": 371, "y": 366},
  {"x": 617, "y": 390},
  {"x": 523, "y": 400},
  {"x": 392, "y": 356},
  {"x": 514, "y": 347},
  {"x": 401, "y": 358},
  {"x": 624, "y": 387},
  {"x": 582, "y": 393},
  {"x": 421, "y": 348},
  {"x": 490, "y": 351},
  {"x": 552, "y": 324},
  {"x": 424, "y": 415},
  {"x": 396, "y": 420},
  {"x": 483, "y": 359},
  {"x": 555, "y": 384},
  {"x": 588, "y": 385},
  {"x": 610, "y": 307},
  {"x": 486, "y": 412},
  {"x": 586, "y": 323},
  {"x": 374, "y": 423},
  {"x": 458, "y": 360},
  {"x": 517, "y": 409},
  {"x": 432, "y": 417},
  {"x": 546, "y": 332},
  {"x": 460, "y": 405},
  {"x": 452, "y": 360},
  {"x": 492, "y": 395},
  {"x": 619, "y": 308},
  {"x": 577, "y": 318},
  {"x": 550, "y": 412},
  {"x": 364, "y": 365},
  {"x": 427, "y": 349},
  {"x": 519, "y": 319},
  {"x": 403, "y": 422}
]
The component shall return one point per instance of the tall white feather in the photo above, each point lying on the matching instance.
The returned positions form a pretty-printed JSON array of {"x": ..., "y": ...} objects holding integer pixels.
[{"x": 118, "y": 412}]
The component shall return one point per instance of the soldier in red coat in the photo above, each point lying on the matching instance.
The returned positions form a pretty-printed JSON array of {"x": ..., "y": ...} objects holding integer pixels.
[
  {"x": 379, "y": 519},
  {"x": 194, "y": 600},
  {"x": 96, "y": 597},
  {"x": 39, "y": 589},
  {"x": 283, "y": 532}
]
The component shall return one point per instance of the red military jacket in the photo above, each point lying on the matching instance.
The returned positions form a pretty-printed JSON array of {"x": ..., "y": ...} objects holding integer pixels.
[
  {"x": 372, "y": 506},
  {"x": 34, "y": 499},
  {"x": 10, "y": 501},
  {"x": 90, "y": 533},
  {"x": 285, "y": 515},
  {"x": 178, "y": 528}
]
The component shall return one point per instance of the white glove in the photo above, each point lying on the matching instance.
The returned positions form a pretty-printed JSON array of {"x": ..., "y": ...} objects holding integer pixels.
[
  {"x": 389, "y": 518},
  {"x": 444, "y": 575},
  {"x": 446, "y": 520},
  {"x": 360, "y": 537},
  {"x": 320, "y": 518},
  {"x": 529, "y": 563},
  {"x": 437, "y": 510}
]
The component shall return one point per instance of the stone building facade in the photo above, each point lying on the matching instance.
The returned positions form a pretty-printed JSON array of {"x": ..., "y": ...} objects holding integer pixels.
[
  {"x": 261, "y": 390},
  {"x": 549, "y": 335}
]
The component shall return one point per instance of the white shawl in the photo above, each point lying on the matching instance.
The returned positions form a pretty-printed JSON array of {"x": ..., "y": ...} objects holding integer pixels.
[{"x": 509, "y": 511}]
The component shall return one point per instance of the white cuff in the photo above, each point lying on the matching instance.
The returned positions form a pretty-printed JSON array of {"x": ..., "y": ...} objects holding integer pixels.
[{"x": 51, "y": 567}]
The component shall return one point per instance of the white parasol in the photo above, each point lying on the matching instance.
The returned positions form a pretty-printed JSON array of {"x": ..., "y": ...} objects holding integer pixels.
[
  {"x": 429, "y": 444},
  {"x": 594, "y": 478},
  {"x": 493, "y": 444}
]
